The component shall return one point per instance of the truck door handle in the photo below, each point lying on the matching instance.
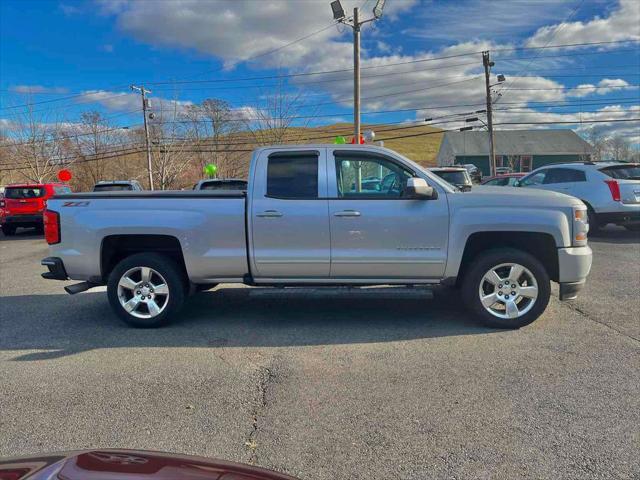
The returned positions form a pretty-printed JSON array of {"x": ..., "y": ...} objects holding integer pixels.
[
  {"x": 270, "y": 214},
  {"x": 347, "y": 213}
]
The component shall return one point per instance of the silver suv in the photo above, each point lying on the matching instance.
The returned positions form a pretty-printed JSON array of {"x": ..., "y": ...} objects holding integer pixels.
[{"x": 611, "y": 190}]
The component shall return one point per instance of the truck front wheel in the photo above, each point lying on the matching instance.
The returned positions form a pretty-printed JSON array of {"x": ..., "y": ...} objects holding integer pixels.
[
  {"x": 146, "y": 290},
  {"x": 506, "y": 288}
]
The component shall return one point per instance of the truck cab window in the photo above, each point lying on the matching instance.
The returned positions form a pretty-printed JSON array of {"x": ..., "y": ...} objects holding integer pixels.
[
  {"x": 370, "y": 177},
  {"x": 292, "y": 176}
]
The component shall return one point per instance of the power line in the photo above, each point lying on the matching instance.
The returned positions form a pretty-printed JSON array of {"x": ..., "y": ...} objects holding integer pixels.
[{"x": 325, "y": 72}]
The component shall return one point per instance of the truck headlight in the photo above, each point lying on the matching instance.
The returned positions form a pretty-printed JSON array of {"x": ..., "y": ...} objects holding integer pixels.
[{"x": 580, "y": 225}]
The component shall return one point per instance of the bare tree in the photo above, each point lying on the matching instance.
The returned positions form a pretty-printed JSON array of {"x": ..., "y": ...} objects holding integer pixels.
[
  {"x": 597, "y": 140},
  {"x": 172, "y": 152},
  {"x": 95, "y": 144},
  {"x": 215, "y": 128},
  {"x": 35, "y": 146},
  {"x": 619, "y": 148},
  {"x": 275, "y": 115}
]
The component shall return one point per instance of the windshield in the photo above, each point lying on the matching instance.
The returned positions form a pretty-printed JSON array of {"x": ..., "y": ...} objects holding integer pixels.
[
  {"x": 111, "y": 188},
  {"x": 456, "y": 177},
  {"x": 238, "y": 185},
  {"x": 623, "y": 172},
  {"x": 28, "y": 192}
]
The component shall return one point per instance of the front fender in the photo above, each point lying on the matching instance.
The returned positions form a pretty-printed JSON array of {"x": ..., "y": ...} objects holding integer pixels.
[{"x": 469, "y": 220}]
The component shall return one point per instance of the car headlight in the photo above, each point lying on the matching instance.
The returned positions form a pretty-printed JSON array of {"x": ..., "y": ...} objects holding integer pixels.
[{"x": 580, "y": 225}]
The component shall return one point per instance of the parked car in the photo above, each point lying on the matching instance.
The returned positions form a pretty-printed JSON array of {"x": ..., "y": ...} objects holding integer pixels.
[
  {"x": 23, "y": 205},
  {"x": 117, "y": 186},
  {"x": 506, "y": 180},
  {"x": 474, "y": 172},
  {"x": 610, "y": 190},
  {"x": 221, "y": 184},
  {"x": 301, "y": 223},
  {"x": 119, "y": 464},
  {"x": 503, "y": 170},
  {"x": 457, "y": 176}
]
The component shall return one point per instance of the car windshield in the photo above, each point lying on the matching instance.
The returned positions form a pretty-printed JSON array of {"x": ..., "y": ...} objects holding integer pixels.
[
  {"x": 623, "y": 172},
  {"x": 24, "y": 192},
  {"x": 111, "y": 188},
  {"x": 239, "y": 185}
]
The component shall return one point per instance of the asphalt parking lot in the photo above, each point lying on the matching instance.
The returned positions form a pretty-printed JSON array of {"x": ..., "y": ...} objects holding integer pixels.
[{"x": 331, "y": 387}]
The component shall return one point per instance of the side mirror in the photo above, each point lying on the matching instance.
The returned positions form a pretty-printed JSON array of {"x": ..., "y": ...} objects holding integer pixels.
[{"x": 418, "y": 189}]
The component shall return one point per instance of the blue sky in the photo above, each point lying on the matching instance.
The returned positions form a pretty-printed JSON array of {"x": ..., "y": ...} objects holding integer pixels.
[{"x": 54, "y": 49}]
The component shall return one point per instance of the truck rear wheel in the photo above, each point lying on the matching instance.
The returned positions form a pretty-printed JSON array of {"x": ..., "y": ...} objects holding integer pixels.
[
  {"x": 146, "y": 290},
  {"x": 506, "y": 288}
]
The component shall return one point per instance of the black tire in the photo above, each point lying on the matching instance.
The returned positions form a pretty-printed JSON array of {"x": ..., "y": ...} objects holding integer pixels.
[
  {"x": 8, "y": 230},
  {"x": 492, "y": 258},
  {"x": 594, "y": 223},
  {"x": 173, "y": 277}
]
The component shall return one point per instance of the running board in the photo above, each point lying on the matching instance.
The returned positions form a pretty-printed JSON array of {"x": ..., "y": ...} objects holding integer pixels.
[{"x": 79, "y": 287}]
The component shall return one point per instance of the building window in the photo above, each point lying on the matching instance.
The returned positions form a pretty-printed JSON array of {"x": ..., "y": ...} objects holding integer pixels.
[{"x": 526, "y": 162}]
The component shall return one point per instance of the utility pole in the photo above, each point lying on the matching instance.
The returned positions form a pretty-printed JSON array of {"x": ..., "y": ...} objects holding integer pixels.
[
  {"x": 145, "y": 104},
  {"x": 487, "y": 63},
  {"x": 355, "y": 23},
  {"x": 356, "y": 76}
]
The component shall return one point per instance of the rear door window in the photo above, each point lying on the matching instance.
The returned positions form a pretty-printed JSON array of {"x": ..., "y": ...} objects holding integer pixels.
[
  {"x": 623, "y": 172},
  {"x": 292, "y": 176},
  {"x": 22, "y": 193},
  {"x": 112, "y": 188},
  {"x": 564, "y": 175}
]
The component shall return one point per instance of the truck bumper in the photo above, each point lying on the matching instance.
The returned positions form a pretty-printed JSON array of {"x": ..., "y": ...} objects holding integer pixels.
[
  {"x": 56, "y": 269},
  {"x": 574, "y": 265},
  {"x": 22, "y": 220},
  {"x": 619, "y": 218}
]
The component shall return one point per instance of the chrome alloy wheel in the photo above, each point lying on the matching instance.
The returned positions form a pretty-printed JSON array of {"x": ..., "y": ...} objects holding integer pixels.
[
  {"x": 508, "y": 290},
  {"x": 143, "y": 292}
]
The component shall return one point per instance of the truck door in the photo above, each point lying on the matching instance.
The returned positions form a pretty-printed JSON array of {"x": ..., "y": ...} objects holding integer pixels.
[
  {"x": 375, "y": 232},
  {"x": 289, "y": 215}
]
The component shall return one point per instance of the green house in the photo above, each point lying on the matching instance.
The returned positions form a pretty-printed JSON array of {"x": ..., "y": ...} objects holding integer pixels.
[{"x": 520, "y": 150}]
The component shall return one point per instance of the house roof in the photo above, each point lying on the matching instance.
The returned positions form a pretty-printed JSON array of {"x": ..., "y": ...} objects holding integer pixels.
[{"x": 518, "y": 142}]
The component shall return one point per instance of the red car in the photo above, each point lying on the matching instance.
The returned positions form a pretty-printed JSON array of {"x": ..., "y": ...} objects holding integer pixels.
[
  {"x": 23, "y": 204},
  {"x": 129, "y": 465},
  {"x": 505, "y": 180}
]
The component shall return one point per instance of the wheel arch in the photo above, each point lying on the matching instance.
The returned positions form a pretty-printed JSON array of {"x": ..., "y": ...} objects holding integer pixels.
[
  {"x": 540, "y": 245},
  {"x": 115, "y": 248}
]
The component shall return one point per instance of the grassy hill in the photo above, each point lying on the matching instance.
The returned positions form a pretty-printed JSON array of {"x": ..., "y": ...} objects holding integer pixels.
[{"x": 420, "y": 148}]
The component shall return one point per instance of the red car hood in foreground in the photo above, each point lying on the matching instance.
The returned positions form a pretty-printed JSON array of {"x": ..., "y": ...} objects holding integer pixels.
[{"x": 129, "y": 465}]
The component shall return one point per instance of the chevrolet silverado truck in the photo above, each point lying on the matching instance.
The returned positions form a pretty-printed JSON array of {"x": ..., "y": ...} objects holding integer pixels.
[{"x": 323, "y": 215}]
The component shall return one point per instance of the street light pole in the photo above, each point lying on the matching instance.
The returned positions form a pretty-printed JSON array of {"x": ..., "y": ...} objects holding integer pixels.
[
  {"x": 143, "y": 95},
  {"x": 355, "y": 23},
  {"x": 356, "y": 76},
  {"x": 487, "y": 63}
]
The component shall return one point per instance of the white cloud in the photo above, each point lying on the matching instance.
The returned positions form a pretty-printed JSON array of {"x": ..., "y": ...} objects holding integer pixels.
[
  {"x": 580, "y": 121},
  {"x": 238, "y": 30},
  {"x": 623, "y": 23},
  {"x": 604, "y": 86},
  {"x": 124, "y": 101},
  {"x": 31, "y": 89},
  {"x": 464, "y": 20}
]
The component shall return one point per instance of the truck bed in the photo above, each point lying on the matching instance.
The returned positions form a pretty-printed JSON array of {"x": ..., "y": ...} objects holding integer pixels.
[
  {"x": 209, "y": 225},
  {"x": 177, "y": 194}
]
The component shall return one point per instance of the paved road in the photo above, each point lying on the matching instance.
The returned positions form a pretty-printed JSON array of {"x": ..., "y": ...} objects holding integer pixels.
[{"x": 331, "y": 388}]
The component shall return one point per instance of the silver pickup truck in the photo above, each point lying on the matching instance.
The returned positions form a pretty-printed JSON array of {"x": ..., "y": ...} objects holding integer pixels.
[{"x": 320, "y": 215}]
